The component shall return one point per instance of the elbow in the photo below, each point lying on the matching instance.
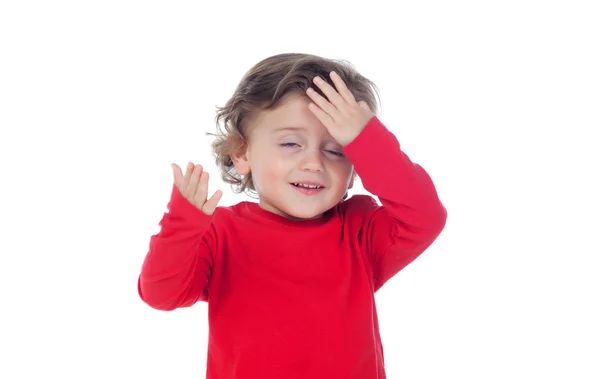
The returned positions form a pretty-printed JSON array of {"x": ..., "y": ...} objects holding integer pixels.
[
  {"x": 436, "y": 222},
  {"x": 155, "y": 298},
  {"x": 442, "y": 217}
]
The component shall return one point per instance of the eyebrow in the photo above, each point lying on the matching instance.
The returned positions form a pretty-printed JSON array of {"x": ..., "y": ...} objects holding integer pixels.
[
  {"x": 297, "y": 128},
  {"x": 288, "y": 128}
]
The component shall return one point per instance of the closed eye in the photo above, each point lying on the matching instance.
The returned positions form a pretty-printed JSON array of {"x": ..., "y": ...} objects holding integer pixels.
[
  {"x": 293, "y": 144},
  {"x": 336, "y": 153}
]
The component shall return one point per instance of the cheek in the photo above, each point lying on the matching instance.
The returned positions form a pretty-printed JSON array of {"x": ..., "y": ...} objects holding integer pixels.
[
  {"x": 269, "y": 168},
  {"x": 341, "y": 170}
]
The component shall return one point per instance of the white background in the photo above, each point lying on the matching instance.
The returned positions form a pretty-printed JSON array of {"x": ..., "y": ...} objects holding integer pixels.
[{"x": 497, "y": 100}]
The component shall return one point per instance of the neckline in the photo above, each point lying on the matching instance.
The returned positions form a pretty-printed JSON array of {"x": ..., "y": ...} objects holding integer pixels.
[{"x": 255, "y": 209}]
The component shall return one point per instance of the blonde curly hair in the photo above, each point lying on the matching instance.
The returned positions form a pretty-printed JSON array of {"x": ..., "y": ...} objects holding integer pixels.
[{"x": 263, "y": 87}]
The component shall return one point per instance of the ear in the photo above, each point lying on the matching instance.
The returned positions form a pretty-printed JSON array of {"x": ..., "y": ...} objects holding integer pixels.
[
  {"x": 240, "y": 161},
  {"x": 352, "y": 179}
]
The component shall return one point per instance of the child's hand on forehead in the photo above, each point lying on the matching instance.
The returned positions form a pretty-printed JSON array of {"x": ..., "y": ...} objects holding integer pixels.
[{"x": 342, "y": 115}]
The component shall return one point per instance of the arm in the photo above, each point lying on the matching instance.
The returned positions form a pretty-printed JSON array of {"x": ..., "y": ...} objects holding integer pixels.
[
  {"x": 411, "y": 216},
  {"x": 176, "y": 270}
]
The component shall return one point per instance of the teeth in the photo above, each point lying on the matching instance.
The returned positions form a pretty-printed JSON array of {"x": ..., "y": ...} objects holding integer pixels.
[{"x": 306, "y": 185}]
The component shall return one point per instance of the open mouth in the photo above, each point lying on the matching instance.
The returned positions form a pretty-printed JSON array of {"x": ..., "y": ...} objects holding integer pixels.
[
  {"x": 308, "y": 189},
  {"x": 309, "y": 186}
]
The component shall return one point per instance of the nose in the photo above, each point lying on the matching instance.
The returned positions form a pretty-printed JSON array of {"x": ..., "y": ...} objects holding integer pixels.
[{"x": 312, "y": 161}]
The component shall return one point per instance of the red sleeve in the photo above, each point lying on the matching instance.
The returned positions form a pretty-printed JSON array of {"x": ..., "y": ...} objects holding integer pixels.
[
  {"x": 411, "y": 216},
  {"x": 177, "y": 268}
]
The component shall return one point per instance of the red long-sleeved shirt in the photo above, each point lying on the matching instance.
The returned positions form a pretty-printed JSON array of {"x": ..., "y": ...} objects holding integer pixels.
[{"x": 295, "y": 299}]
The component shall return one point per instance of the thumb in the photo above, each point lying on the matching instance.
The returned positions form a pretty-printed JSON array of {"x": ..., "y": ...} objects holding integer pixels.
[
  {"x": 364, "y": 105},
  {"x": 211, "y": 204}
]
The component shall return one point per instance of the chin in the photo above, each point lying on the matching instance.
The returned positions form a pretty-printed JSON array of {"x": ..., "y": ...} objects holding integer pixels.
[
  {"x": 307, "y": 217},
  {"x": 304, "y": 214}
]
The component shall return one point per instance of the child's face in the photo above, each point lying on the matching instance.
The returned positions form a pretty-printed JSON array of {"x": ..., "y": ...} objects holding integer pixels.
[{"x": 288, "y": 146}]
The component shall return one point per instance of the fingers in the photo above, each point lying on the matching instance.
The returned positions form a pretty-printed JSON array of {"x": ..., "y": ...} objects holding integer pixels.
[
  {"x": 194, "y": 187},
  {"x": 341, "y": 87},
  {"x": 337, "y": 98},
  {"x": 332, "y": 95},
  {"x": 193, "y": 179},
  {"x": 177, "y": 175},
  {"x": 186, "y": 179},
  {"x": 210, "y": 206},
  {"x": 321, "y": 101},
  {"x": 201, "y": 190}
]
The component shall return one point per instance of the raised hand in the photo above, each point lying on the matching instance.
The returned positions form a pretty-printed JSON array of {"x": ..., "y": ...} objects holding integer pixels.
[
  {"x": 343, "y": 117},
  {"x": 194, "y": 187}
]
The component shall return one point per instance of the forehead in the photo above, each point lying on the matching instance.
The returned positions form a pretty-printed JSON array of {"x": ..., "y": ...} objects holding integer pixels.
[{"x": 289, "y": 116}]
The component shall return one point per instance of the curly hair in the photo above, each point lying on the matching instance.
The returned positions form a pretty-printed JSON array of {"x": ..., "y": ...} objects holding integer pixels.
[{"x": 263, "y": 87}]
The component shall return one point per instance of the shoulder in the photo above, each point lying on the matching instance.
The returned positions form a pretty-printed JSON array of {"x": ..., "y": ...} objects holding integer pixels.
[
  {"x": 237, "y": 213},
  {"x": 358, "y": 207},
  {"x": 223, "y": 222},
  {"x": 229, "y": 211}
]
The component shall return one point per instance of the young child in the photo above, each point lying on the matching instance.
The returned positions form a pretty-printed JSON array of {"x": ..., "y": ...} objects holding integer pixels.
[{"x": 290, "y": 280}]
